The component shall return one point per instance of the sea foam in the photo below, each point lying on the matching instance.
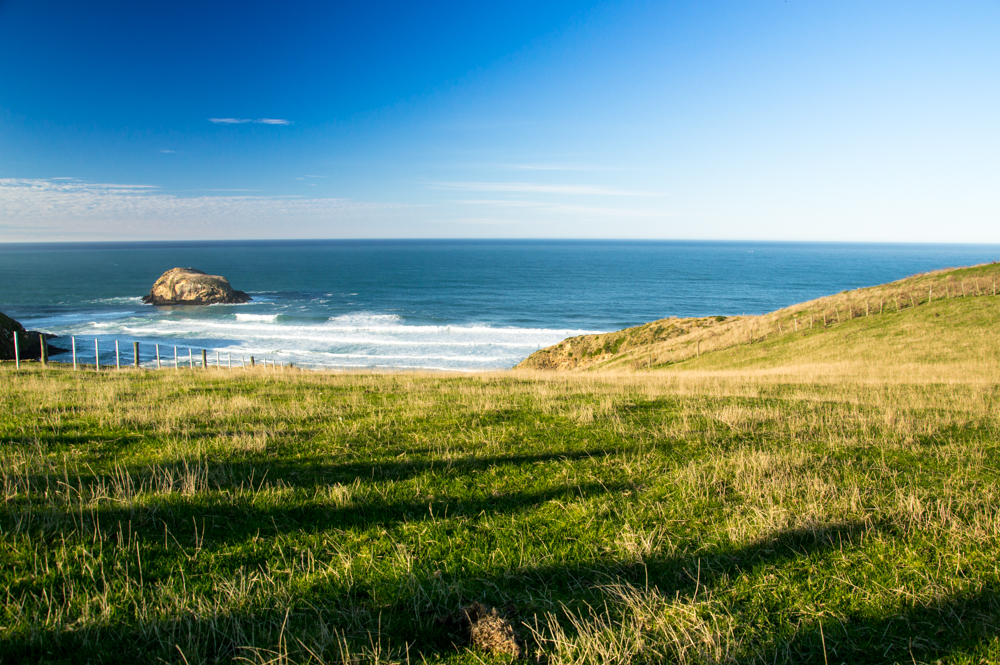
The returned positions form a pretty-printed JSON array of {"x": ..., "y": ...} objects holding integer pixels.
[{"x": 354, "y": 340}]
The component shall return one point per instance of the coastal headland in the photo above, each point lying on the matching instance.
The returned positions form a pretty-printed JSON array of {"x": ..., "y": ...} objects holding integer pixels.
[{"x": 818, "y": 484}]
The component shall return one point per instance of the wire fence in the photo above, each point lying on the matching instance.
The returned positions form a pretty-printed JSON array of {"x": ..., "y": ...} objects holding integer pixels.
[{"x": 181, "y": 357}]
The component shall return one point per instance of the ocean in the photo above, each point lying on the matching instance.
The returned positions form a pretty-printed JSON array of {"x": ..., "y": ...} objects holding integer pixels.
[{"x": 428, "y": 304}]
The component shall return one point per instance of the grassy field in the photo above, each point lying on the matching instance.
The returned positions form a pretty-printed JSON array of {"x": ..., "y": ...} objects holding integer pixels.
[{"x": 826, "y": 497}]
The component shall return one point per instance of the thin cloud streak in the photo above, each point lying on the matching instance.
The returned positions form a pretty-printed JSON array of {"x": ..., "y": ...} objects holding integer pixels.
[
  {"x": 567, "y": 209},
  {"x": 243, "y": 121},
  {"x": 531, "y": 188},
  {"x": 556, "y": 167}
]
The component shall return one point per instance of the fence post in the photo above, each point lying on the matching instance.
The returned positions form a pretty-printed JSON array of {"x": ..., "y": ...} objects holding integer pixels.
[
  {"x": 118, "y": 357},
  {"x": 42, "y": 351},
  {"x": 157, "y": 356},
  {"x": 97, "y": 356},
  {"x": 252, "y": 364},
  {"x": 190, "y": 358},
  {"x": 135, "y": 353},
  {"x": 73, "y": 341},
  {"x": 17, "y": 351},
  {"x": 229, "y": 356},
  {"x": 204, "y": 359},
  {"x": 176, "y": 366}
]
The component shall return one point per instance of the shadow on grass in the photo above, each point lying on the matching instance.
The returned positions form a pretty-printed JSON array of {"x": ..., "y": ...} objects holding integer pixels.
[
  {"x": 308, "y": 473},
  {"x": 961, "y": 624},
  {"x": 958, "y": 624}
]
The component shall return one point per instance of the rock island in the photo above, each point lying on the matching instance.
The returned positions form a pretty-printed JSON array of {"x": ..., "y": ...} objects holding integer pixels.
[{"x": 187, "y": 286}]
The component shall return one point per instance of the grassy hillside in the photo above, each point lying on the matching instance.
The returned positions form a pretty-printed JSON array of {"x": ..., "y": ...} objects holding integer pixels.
[
  {"x": 937, "y": 318},
  {"x": 685, "y": 516}
]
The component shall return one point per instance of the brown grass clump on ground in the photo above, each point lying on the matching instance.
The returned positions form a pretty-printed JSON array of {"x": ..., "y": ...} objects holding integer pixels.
[{"x": 489, "y": 631}]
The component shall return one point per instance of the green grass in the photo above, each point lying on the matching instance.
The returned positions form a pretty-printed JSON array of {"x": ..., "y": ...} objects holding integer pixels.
[
  {"x": 711, "y": 516},
  {"x": 941, "y": 334}
]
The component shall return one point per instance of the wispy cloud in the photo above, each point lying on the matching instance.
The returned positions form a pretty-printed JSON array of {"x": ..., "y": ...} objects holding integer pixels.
[
  {"x": 241, "y": 121},
  {"x": 169, "y": 152},
  {"x": 76, "y": 209},
  {"x": 532, "y": 188},
  {"x": 562, "y": 208},
  {"x": 553, "y": 167}
]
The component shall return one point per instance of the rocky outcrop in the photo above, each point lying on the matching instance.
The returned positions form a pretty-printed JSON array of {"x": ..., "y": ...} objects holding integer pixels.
[
  {"x": 29, "y": 341},
  {"x": 187, "y": 286}
]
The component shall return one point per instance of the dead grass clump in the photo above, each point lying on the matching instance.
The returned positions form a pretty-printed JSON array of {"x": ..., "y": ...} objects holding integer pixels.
[{"x": 489, "y": 631}]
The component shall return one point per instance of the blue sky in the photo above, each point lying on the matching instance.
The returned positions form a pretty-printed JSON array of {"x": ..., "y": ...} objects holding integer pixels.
[{"x": 736, "y": 120}]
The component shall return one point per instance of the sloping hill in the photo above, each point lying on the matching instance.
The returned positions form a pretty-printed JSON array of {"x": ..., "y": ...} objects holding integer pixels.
[{"x": 945, "y": 316}]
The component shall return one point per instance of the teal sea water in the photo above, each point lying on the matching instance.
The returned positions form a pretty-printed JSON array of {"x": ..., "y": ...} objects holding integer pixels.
[{"x": 461, "y": 304}]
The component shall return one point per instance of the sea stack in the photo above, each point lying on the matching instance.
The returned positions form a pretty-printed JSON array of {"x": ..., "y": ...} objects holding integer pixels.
[{"x": 187, "y": 286}]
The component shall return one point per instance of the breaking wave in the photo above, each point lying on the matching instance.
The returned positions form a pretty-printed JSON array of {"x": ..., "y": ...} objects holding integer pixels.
[{"x": 355, "y": 340}]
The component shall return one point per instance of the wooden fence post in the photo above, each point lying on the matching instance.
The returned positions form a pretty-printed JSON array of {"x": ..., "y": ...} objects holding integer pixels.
[
  {"x": 252, "y": 363},
  {"x": 118, "y": 356},
  {"x": 157, "y": 356},
  {"x": 17, "y": 351},
  {"x": 135, "y": 353},
  {"x": 204, "y": 359},
  {"x": 97, "y": 356},
  {"x": 176, "y": 366},
  {"x": 42, "y": 351},
  {"x": 73, "y": 342},
  {"x": 190, "y": 358}
]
